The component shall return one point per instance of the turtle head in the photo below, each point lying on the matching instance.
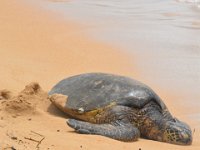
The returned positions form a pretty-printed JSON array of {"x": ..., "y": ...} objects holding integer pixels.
[{"x": 177, "y": 132}]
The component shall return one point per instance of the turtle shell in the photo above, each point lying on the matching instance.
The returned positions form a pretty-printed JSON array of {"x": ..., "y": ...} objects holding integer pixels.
[{"x": 94, "y": 90}]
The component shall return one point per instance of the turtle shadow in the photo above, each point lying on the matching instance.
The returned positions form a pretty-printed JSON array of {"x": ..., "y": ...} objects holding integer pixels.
[{"x": 53, "y": 110}]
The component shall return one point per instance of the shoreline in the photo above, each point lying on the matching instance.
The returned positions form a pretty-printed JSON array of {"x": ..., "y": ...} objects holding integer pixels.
[{"x": 38, "y": 46}]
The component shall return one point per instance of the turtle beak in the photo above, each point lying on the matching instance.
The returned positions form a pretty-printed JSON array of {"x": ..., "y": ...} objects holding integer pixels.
[
  {"x": 186, "y": 137},
  {"x": 185, "y": 134}
]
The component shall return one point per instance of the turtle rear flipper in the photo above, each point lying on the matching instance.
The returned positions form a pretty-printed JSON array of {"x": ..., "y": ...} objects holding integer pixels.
[{"x": 118, "y": 131}]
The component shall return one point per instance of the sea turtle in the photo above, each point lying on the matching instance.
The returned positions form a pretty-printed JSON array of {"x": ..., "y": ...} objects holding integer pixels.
[{"x": 117, "y": 107}]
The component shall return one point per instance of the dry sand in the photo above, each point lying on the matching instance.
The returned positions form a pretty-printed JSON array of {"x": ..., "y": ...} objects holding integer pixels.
[{"x": 37, "y": 45}]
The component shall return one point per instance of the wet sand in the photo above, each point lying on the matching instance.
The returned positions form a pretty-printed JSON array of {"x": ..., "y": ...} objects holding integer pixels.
[{"x": 37, "y": 45}]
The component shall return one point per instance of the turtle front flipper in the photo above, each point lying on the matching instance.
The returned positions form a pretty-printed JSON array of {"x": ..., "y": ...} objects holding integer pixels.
[{"x": 117, "y": 130}]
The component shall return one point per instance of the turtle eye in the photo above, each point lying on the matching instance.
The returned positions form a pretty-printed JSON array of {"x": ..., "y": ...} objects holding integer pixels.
[{"x": 175, "y": 120}]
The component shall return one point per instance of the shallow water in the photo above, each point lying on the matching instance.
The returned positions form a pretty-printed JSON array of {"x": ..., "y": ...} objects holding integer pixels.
[{"x": 165, "y": 35}]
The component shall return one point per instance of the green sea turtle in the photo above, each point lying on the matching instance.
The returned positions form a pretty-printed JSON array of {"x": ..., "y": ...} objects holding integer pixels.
[{"x": 117, "y": 107}]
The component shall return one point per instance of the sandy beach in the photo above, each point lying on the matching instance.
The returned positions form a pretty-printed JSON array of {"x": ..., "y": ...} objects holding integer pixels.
[{"x": 37, "y": 50}]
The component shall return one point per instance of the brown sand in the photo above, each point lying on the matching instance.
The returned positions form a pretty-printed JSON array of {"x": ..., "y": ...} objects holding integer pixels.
[{"x": 36, "y": 45}]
